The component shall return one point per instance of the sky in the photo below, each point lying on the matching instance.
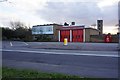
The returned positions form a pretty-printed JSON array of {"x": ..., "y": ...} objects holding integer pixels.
[{"x": 38, "y": 12}]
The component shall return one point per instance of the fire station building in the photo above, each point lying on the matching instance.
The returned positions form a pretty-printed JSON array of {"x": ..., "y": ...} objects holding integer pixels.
[
  {"x": 73, "y": 33},
  {"x": 76, "y": 33}
]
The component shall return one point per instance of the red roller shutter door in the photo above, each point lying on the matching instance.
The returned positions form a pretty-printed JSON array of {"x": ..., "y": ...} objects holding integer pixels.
[
  {"x": 68, "y": 35},
  {"x": 61, "y": 35},
  {"x": 77, "y": 35},
  {"x": 80, "y": 36},
  {"x": 74, "y": 34},
  {"x": 64, "y": 34}
]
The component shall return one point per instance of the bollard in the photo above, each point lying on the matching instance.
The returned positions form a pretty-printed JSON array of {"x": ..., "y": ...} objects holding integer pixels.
[{"x": 65, "y": 41}]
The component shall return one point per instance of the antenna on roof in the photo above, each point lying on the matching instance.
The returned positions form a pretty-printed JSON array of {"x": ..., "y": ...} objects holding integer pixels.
[{"x": 66, "y": 24}]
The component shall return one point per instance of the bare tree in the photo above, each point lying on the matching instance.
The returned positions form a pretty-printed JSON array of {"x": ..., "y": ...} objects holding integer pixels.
[{"x": 17, "y": 24}]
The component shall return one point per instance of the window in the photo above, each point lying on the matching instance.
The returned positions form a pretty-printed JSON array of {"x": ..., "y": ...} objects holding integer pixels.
[
  {"x": 33, "y": 29},
  {"x": 49, "y": 29}
]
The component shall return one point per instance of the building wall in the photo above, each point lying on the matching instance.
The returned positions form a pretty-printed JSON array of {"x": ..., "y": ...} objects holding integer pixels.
[
  {"x": 97, "y": 38},
  {"x": 89, "y": 32},
  {"x": 94, "y": 32},
  {"x": 87, "y": 35},
  {"x": 55, "y": 31},
  {"x": 101, "y": 38}
]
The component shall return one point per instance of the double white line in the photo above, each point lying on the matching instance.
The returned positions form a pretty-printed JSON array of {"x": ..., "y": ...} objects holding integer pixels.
[{"x": 83, "y": 53}]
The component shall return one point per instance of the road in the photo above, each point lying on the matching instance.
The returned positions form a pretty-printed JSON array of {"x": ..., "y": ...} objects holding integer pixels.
[{"x": 84, "y": 62}]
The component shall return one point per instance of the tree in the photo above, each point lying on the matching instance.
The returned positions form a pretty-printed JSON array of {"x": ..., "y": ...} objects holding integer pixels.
[
  {"x": 21, "y": 31},
  {"x": 17, "y": 24},
  {"x": 7, "y": 33}
]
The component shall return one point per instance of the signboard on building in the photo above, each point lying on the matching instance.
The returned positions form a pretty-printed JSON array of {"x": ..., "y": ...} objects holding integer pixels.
[{"x": 42, "y": 30}]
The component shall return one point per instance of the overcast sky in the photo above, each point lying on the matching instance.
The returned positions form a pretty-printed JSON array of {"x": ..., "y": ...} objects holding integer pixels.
[{"x": 35, "y": 12}]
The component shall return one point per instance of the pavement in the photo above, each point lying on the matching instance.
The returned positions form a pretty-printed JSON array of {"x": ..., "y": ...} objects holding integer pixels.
[
  {"x": 76, "y": 46},
  {"x": 61, "y": 46}
]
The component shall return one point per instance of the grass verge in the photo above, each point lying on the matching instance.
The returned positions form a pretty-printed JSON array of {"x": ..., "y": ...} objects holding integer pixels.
[
  {"x": 17, "y": 74},
  {"x": 0, "y": 72}
]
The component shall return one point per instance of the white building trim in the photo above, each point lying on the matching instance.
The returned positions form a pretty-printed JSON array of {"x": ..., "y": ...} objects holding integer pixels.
[
  {"x": 70, "y": 35},
  {"x": 83, "y": 35},
  {"x": 59, "y": 35}
]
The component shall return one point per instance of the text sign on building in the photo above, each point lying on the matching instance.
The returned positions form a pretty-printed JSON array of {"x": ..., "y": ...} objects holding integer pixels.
[{"x": 42, "y": 30}]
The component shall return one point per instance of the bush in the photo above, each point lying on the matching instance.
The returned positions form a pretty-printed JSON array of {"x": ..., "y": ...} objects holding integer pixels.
[{"x": 44, "y": 38}]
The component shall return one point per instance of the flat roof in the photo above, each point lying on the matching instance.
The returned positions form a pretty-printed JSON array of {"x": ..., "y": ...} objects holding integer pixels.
[
  {"x": 92, "y": 28},
  {"x": 47, "y": 25},
  {"x": 71, "y": 27}
]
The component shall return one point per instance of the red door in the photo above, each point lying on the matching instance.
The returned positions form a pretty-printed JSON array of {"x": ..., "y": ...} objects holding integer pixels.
[
  {"x": 80, "y": 36},
  {"x": 74, "y": 35},
  {"x": 65, "y": 34},
  {"x": 77, "y": 35}
]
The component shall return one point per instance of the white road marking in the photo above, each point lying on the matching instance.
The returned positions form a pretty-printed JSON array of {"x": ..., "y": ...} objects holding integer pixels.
[
  {"x": 25, "y": 43},
  {"x": 83, "y": 53},
  {"x": 11, "y": 44}
]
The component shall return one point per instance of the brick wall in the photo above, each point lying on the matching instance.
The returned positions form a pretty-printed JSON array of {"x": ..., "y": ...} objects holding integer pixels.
[{"x": 100, "y": 38}]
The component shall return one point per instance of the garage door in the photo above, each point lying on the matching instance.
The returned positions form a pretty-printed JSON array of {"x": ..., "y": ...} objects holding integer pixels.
[
  {"x": 64, "y": 34},
  {"x": 77, "y": 35}
]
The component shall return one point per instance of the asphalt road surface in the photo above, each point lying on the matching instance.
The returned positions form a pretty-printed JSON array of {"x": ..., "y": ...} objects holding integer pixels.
[{"x": 99, "y": 60}]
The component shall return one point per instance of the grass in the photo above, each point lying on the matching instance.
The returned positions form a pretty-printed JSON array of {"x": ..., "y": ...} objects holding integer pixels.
[
  {"x": 9, "y": 73},
  {"x": 0, "y": 72},
  {"x": 16, "y": 73}
]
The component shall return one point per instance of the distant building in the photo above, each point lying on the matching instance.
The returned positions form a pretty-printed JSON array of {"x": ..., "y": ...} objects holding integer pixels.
[{"x": 100, "y": 26}]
